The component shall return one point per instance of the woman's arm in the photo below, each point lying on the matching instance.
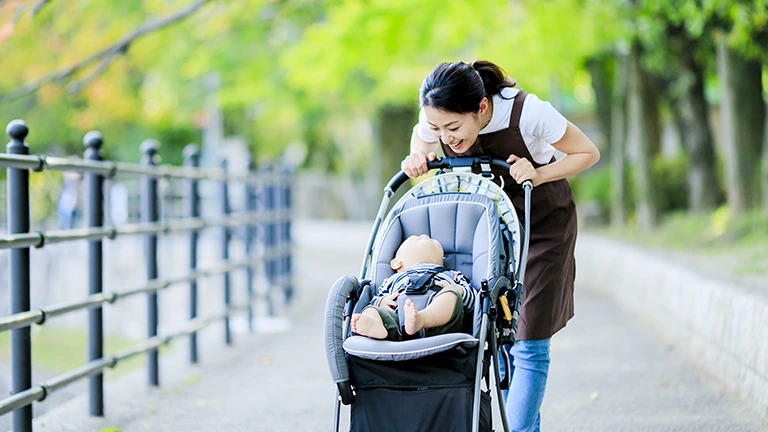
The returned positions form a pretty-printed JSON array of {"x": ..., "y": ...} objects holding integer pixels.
[
  {"x": 580, "y": 154},
  {"x": 417, "y": 144}
]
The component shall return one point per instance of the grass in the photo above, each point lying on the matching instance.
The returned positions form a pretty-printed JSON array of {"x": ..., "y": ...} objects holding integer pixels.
[
  {"x": 740, "y": 244},
  {"x": 57, "y": 351}
]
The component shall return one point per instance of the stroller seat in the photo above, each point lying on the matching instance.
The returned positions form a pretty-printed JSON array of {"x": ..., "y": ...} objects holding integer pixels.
[
  {"x": 462, "y": 224},
  {"x": 466, "y": 225}
]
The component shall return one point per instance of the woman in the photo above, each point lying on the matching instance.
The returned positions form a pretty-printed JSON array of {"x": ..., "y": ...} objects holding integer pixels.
[{"x": 472, "y": 110}]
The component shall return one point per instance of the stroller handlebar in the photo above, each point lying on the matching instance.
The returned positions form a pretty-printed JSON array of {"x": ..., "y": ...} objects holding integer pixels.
[{"x": 450, "y": 162}]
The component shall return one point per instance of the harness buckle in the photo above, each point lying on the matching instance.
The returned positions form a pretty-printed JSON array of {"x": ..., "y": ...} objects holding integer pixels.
[{"x": 485, "y": 167}]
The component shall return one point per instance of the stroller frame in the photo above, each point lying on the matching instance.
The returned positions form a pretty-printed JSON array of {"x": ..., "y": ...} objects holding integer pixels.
[{"x": 494, "y": 329}]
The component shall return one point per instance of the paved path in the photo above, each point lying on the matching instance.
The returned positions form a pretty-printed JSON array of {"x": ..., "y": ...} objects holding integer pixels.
[{"x": 608, "y": 373}]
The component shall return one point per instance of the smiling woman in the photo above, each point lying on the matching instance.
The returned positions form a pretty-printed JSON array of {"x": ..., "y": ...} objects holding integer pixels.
[{"x": 475, "y": 110}]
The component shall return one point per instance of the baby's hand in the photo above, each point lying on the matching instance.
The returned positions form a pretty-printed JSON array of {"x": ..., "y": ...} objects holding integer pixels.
[{"x": 390, "y": 301}]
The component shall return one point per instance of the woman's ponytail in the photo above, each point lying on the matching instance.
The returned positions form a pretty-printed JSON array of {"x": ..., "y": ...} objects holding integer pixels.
[
  {"x": 494, "y": 78},
  {"x": 459, "y": 87}
]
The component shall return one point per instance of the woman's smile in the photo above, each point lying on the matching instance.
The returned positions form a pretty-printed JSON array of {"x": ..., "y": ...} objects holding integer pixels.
[{"x": 460, "y": 146}]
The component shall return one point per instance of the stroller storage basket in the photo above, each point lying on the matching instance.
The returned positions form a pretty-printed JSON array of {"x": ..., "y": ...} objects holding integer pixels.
[
  {"x": 432, "y": 393},
  {"x": 418, "y": 410}
]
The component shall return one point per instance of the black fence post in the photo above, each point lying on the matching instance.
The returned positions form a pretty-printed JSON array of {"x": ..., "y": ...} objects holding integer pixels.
[
  {"x": 285, "y": 207},
  {"x": 18, "y": 222},
  {"x": 270, "y": 238},
  {"x": 94, "y": 214},
  {"x": 192, "y": 159},
  {"x": 150, "y": 213},
  {"x": 250, "y": 208},
  {"x": 225, "y": 210}
]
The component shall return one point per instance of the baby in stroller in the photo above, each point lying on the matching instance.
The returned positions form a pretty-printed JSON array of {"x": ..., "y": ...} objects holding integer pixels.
[{"x": 418, "y": 262}]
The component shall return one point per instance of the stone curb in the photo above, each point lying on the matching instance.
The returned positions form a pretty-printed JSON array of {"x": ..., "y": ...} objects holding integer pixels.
[{"x": 719, "y": 325}]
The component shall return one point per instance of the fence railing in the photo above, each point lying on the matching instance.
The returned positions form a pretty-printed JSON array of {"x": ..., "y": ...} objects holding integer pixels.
[{"x": 265, "y": 217}]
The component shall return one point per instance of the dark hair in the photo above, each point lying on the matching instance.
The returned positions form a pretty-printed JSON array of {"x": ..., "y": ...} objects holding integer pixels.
[{"x": 459, "y": 87}]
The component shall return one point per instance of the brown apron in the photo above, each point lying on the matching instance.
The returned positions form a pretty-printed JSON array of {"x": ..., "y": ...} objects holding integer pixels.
[{"x": 547, "y": 302}]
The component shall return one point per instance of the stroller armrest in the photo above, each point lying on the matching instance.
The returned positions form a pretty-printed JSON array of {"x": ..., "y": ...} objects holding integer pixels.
[
  {"x": 384, "y": 350},
  {"x": 334, "y": 327}
]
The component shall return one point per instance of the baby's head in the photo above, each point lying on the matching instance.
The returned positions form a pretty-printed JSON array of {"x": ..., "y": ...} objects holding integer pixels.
[{"x": 417, "y": 249}]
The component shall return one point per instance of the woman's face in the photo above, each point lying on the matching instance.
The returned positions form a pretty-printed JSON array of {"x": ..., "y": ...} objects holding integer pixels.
[{"x": 458, "y": 131}]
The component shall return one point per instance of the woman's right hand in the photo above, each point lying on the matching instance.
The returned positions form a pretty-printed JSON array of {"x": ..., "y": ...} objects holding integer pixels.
[{"x": 415, "y": 164}]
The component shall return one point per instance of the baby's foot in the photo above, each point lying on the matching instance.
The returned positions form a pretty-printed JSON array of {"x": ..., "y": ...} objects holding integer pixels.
[
  {"x": 413, "y": 319},
  {"x": 367, "y": 326}
]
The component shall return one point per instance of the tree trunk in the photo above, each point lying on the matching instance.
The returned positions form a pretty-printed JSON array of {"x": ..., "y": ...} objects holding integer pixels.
[
  {"x": 394, "y": 138},
  {"x": 676, "y": 110},
  {"x": 602, "y": 70},
  {"x": 743, "y": 118},
  {"x": 643, "y": 133},
  {"x": 617, "y": 143},
  {"x": 765, "y": 165},
  {"x": 698, "y": 142}
]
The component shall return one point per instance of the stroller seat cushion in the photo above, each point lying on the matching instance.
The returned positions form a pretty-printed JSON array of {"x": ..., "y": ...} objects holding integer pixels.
[
  {"x": 373, "y": 349},
  {"x": 465, "y": 225}
]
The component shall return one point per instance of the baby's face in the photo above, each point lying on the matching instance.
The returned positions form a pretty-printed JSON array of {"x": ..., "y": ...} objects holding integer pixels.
[{"x": 416, "y": 249}]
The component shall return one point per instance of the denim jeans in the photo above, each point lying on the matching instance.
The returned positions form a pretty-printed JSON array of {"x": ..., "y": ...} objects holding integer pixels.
[{"x": 529, "y": 368}]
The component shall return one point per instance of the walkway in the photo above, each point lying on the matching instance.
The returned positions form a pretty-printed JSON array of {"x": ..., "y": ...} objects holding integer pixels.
[{"x": 608, "y": 372}]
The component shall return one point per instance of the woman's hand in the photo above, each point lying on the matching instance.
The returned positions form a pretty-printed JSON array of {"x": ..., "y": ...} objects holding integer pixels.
[
  {"x": 522, "y": 170},
  {"x": 415, "y": 164},
  {"x": 390, "y": 301}
]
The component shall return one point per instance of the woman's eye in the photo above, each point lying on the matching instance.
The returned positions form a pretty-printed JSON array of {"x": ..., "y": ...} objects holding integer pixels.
[{"x": 453, "y": 130}]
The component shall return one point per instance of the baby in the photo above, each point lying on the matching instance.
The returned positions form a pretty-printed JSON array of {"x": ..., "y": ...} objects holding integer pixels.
[{"x": 416, "y": 256}]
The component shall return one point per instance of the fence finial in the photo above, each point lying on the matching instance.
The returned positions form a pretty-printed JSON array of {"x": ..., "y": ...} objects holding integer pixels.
[
  {"x": 190, "y": 152},
  {"x": 93, "y": 142},
  {"x": 17, "y": 130},
  {"x": 149, "y": 148}
]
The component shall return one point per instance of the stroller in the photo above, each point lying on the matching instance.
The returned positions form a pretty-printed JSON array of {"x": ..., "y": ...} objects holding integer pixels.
[{"x": 434, "y": 383}]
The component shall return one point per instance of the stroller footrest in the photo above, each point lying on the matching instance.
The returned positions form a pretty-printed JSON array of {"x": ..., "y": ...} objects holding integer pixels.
[{"x": 373, "y": 349}]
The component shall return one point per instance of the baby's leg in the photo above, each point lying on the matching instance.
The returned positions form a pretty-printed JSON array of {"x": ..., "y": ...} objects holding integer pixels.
[
  {"x": 369, "y": 323},
  {"x": 436, "y": 314}
]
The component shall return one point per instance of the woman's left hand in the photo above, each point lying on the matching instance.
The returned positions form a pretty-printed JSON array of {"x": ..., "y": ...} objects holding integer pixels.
[{"x": 522, "y": 170}]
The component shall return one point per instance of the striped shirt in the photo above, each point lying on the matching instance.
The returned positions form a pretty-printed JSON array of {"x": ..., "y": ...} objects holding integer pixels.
[{"x": 399, "y": 281}]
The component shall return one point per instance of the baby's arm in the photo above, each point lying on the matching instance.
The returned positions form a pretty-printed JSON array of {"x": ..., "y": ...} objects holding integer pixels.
[
  {"x": 469, "y": 294},
  {"x": 385, "y": 296}
]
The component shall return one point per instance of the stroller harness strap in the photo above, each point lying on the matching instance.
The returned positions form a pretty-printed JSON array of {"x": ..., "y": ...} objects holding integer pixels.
[{"x": 421, "y": 284}]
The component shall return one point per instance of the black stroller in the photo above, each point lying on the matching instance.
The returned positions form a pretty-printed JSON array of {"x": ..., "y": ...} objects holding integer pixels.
[{"x": 434, "y": 383}]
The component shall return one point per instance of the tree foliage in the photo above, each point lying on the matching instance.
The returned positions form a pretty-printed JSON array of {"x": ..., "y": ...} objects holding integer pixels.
[
  {"x": 284, "y": 64},
  {"x": 318, "y": 71}
]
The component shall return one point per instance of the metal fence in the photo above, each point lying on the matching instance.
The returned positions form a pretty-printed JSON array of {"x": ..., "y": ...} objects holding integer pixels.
[{"x": 264, "y": 217}]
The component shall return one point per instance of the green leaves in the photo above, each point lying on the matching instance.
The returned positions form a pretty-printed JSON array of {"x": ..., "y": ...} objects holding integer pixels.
[{"x": 290, "y": 64}]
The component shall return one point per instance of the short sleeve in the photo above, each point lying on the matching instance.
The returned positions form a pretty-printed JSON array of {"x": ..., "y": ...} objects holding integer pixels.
[
  {"x": 540, "y": 119},
  {"x": 384, "y": 289},
  {"x": 460, "y": 279},
  {"x": 422, "y": 129}
]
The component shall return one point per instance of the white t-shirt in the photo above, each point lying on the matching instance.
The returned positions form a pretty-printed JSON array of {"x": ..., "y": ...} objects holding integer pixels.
[{"x": 540, "y": 124}]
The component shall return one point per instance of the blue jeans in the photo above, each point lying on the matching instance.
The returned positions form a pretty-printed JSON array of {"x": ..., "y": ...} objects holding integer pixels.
[{"x": 530, "y": 367}]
